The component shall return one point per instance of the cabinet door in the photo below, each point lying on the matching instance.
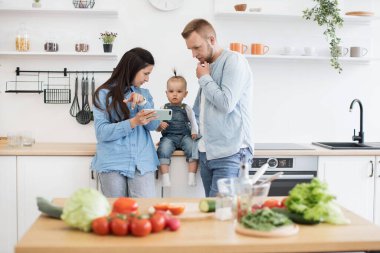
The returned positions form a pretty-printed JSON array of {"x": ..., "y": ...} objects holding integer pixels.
[
  {"x": 49, "y": 177},
  {"x": 178, "y": 177},
  {"x": 351, "y": 180},
  {"x": 377, "y": 192},
  {"x": 8, "y": 205}
]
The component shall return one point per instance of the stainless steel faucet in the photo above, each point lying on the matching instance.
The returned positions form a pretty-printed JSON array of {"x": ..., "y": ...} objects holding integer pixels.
[{"x": 360, "y": 136}]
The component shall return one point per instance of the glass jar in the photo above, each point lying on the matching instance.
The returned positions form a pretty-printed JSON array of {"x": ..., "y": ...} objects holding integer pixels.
[{"x": 22, "y": 40}]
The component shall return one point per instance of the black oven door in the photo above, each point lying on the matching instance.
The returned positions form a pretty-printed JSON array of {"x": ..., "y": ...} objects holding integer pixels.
[{"x": 282, "y": 186}]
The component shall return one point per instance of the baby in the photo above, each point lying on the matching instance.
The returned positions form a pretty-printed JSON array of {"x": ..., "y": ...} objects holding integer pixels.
[{"x": 179, "y": 132}]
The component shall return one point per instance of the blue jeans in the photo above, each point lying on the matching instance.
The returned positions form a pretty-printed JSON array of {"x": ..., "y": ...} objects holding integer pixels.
[
  {"x": 213, "y": 170},
  {"x": 168, "y": 144}
]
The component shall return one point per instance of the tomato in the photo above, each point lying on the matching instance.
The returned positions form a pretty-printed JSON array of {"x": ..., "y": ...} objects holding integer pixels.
[
  {"x": 255, "y": 207},
  {"x": 161, "y": 207},
  {"x": 125, "y": 205},
  {"x": 271, "y": 203},
  {"x": 174, "y": 224},
  {"x": 119, "y": 227},
  {"x": 100, "y": 226},
  {"x": 166, "y": 217},
  {"x": 283, "y": 202},
  {"x": 176, "y": 210},
  {"x": 141, "y": 227},
  {"x": 158, "y": 222}
]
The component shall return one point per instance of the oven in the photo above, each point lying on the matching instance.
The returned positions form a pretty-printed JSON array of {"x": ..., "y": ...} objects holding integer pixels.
[{"x": 296, "y": 169}]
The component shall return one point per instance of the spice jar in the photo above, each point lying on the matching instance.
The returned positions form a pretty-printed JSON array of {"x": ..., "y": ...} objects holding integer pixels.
[{"x": 22, "y": 40}]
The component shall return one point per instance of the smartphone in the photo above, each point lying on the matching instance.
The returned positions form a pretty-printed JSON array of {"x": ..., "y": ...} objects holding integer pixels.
[{"x": 162, "y": 114}]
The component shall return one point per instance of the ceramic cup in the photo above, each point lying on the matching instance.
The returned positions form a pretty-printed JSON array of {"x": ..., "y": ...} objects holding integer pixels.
[
  {"x": 310, "y": 51},
  {"x": 289, "y": 50},
  {"x": 238, "y": 47},
  {"x": 259, "y": 49},
  {"x": 358, "y": 51},
  {"x": 343, "y": 51}
]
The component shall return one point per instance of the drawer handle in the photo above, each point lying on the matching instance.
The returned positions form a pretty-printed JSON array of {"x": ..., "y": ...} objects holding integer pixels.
[{"x": 371, "y": 175}]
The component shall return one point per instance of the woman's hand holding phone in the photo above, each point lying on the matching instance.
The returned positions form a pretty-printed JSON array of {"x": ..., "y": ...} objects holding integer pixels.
[{"x": 143, "y": 117}]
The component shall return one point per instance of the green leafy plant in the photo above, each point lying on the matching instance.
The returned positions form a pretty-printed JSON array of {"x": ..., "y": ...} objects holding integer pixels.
[
  {"x": 326, "y": 13},
  {"x": 108, "y": 37}
]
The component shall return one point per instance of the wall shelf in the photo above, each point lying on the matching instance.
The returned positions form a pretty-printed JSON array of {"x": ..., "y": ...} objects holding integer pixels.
[
  {"x": 272, "y": 16},
  {"x": 362, "y": 60},
  {"x": 41, "y": 53},
  {"x": 74, "y": 11}
]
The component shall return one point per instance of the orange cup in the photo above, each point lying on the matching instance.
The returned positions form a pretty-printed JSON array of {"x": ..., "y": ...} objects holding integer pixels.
[
  {"x": 238, "y": 47},
  {"x": 259, "y": 49}
]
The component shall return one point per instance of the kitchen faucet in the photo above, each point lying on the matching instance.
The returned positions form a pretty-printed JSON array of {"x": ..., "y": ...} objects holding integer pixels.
[{"x": 360, "y": 136}]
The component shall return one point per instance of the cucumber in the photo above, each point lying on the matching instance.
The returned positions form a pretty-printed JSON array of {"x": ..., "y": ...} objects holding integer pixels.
[
  {"x": 48, "y": 208},
  {"x": 207, "y": 205}
]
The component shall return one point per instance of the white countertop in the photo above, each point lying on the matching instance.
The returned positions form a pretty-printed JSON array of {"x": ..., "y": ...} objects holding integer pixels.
[{"x": 88, "y": 149}]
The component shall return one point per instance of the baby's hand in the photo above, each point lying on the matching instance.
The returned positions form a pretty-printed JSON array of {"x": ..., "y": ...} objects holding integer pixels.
[
  {"x": 193, "y": 136},
  {"x": 162, "y": 126}
]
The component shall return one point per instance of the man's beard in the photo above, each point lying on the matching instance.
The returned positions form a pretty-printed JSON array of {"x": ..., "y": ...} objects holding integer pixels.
[{"x": 210, "y": 52}]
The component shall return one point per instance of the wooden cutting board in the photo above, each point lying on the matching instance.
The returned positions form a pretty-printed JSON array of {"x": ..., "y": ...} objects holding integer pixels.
[
  {"x": 279, "y": 232},
  {"x": 360, "y": 13},
  {"x": 192, "y": 212}
]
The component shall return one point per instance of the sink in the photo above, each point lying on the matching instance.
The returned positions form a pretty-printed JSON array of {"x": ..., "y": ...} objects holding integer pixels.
[{"x": 348, "y": 145}]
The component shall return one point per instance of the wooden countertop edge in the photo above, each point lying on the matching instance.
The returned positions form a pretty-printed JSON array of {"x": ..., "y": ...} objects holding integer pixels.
[{"x": 89, "y": 149}]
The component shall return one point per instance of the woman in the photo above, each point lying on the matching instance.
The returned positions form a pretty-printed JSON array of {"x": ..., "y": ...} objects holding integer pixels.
[{"x": 126, "y": 159}]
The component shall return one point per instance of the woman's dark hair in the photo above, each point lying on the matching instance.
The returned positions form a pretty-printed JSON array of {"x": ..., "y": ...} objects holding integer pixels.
[{"x": 121, "y": 81}]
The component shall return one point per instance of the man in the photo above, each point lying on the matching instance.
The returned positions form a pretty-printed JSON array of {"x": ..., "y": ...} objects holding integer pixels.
[{"x": 222, "y": 107}]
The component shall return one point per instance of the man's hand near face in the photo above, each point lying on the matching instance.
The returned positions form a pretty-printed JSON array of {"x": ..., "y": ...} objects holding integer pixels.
[{"x": 203, "y": 69}]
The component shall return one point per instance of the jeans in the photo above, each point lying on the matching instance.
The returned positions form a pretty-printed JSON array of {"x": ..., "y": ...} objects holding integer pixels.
[
  {"x": 168, "y": 144},
  {"x": 213, "y": 170},
  {"x": 114, "y": 185}
]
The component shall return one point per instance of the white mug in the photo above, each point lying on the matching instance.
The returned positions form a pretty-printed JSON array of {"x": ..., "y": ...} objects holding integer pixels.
[
  {"x": 343, "y": 51},
  {"x": 310, "y": 51},
  {"x": 358, "y": 51},
  {"x": 289, "y": 50}
]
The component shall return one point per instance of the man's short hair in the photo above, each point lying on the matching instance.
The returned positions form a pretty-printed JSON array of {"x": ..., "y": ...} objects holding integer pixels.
[{"x": 201, "y": 26}]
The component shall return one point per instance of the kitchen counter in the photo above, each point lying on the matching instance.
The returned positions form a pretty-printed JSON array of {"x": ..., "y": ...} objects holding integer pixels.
[
  {"x": 88, "y": 149},
  {"x": 51, "y": 235}
]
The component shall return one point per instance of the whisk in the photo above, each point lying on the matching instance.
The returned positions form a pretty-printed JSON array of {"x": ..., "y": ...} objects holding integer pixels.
[{"x": 75, "y": 105}]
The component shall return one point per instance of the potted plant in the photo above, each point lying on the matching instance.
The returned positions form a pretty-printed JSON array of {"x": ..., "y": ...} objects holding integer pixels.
[
  {"x": 327, "y": 13},
  {"x": 36, "y": 4},
  {"x": 108, "y": 38}
]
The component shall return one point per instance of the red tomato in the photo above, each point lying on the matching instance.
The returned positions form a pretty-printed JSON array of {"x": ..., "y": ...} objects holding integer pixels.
[
  {"x": 271, "y": 203},
  {"x": 161, "y": 207},
  {"x": 176, "y": 210},
  {"x": 125, "y": 205},
  {"x": 100, "y": 226},
  {"x": 141, "y": 227},
  {"x": 158, "y": 222},
  {"x": 174, "y": 224},
  {"x": 283, "y": 202},
  {"x": 119, "y": 227},
  {"x": 166, "y": 217},
  {"x": 255, "y": 207}
]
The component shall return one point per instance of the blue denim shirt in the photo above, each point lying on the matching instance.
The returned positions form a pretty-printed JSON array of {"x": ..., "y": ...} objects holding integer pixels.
[
  {"x": 121, "y": 148},
  {"x": 228, "y": 92}
]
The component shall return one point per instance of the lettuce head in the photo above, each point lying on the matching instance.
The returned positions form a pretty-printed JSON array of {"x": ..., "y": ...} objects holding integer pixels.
[{"x": 84, "y": 206}]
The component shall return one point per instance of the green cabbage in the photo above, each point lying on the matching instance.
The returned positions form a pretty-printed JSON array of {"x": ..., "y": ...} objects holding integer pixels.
[
  {"x": 314, "y": 202},
  {"x": 84, "y": 206}
]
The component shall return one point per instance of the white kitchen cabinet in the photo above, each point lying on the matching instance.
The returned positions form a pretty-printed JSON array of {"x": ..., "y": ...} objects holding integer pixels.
[
  {"x": 8, "y": 206},
  {"x": 178, "y": 176},
  {"x": 352, "y": 180},
  {"x": 49, "y": 177},
  {"x": 377, "y": 191}
]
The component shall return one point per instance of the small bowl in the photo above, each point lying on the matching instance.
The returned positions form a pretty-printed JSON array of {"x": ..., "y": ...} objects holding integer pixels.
[{"x": 240, "y": 7}]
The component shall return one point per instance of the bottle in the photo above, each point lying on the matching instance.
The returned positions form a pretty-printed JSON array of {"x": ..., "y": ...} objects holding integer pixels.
[
  {"x": 22, "y": 39},
  {"x": 244, "y": 169}
]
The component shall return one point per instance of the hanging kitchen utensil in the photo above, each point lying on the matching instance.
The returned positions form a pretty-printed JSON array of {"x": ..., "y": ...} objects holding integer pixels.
[
  {"x": 83, "y": 117},
  {"x": 75, "y": 105},
  {"x": 92, "y": 94}
]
